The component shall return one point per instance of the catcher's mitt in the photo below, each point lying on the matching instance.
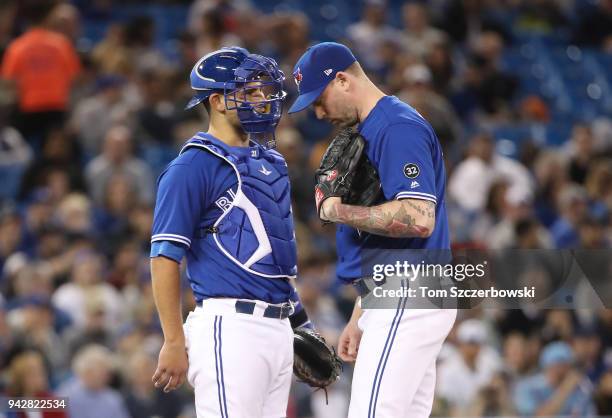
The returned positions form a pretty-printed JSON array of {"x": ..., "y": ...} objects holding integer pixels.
[
  {"x": 346, "y": 172},
  {"x": 314, "y": 362}
]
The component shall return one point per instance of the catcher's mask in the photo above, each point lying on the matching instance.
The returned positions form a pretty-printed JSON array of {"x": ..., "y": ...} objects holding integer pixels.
[{"x": 251, "y": 84}]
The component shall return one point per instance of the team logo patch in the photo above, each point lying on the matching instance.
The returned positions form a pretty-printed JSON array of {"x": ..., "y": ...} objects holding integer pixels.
[
  {"x": 332, "y": 175},
  {"x": 411, "y": 170},
  {"x": 297, "y": 77},
  {"x": 414, "y": 184},
  {"x": 328, "y": 71}
]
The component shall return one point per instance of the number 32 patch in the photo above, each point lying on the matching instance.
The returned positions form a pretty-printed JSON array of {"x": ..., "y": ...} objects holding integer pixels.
[{"x": 411, "y": 170}]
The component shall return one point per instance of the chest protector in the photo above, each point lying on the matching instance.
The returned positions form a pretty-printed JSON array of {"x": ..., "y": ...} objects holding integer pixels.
[{"x": 256, "y": 229}]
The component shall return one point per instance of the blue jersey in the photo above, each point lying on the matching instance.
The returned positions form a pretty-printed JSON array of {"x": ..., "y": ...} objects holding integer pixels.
[
  {"x": 405, "y": 150},
  {"x": 227, "y": 209}
]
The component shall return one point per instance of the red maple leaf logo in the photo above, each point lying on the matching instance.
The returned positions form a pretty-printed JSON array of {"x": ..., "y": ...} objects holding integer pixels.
[{"x": 297, "y": 76}]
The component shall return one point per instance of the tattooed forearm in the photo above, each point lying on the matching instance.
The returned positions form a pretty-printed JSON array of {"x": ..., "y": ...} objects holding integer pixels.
[
  {"x": 423, "y": 207},
  {"x": 403, "y": 218}
]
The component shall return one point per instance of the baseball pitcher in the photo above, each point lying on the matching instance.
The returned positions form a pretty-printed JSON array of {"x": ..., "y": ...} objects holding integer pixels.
[{"x": 395, "y": 349}]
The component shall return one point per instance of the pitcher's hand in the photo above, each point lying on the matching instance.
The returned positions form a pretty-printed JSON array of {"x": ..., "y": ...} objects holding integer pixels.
[{"x": 348, "y": 343}]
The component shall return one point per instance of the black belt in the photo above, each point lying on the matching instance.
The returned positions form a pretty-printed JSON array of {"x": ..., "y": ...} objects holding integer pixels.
[
  {"x": 365, "y": 285},
  {"x": 272, "y": 311}
]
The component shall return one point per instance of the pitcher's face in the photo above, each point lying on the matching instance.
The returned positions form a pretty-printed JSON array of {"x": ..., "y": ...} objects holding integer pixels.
[{"x": 335, "y": 106}]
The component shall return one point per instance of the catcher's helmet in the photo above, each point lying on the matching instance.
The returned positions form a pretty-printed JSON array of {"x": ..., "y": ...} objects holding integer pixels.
[
  {"x": 237, "y": 74},
  {"x": 214, "y": 71}
]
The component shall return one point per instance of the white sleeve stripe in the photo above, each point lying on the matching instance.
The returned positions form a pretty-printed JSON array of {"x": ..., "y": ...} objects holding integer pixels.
[
  {"x": 416, "y": 195},
  {"x": 171, "y": 237}
]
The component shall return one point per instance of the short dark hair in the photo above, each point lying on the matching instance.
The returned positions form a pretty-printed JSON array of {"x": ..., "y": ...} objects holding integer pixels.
[
  {"x": 37, "y": 11},
  {"x": 206, "y": 104}
]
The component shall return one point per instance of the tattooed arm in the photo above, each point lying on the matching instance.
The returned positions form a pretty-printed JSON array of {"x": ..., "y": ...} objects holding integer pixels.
[{"x": 396, "y": 218}]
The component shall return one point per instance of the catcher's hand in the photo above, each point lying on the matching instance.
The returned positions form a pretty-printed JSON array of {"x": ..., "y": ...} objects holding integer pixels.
[
  {"x": 314, "y": 362},
  {"x": 346, "y": 172}
]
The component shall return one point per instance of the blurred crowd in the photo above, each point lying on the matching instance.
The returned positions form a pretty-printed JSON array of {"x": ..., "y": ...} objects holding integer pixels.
[{"x": 86, "y": 126}]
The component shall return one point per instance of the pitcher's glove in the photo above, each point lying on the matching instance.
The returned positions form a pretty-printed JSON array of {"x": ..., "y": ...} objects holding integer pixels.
[
  {"x": 346, "y": 172},
  {"x": 314, "y": 362}
]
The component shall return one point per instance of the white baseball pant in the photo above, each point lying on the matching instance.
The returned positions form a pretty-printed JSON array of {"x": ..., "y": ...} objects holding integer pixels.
[
  {"x": 395, "y": 370},
  {"x": 240, "y": 365}
]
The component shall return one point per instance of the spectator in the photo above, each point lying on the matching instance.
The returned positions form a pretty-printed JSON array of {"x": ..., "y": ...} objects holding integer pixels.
[
  {"x": 290, "y": 35},
  {"x": 8, "y": 17},
  {"x": 44, "y": 88},
  {"x": 89, "y": 393},
  {"x": 94, "y": 116},
  {"x": 516, "y": 355},
  {"x": 111, "y": 56},
  {"x": 464, "y": 374},
  {"x": 213, "y": 33},
  {"x": 74, "y": 214},
  {"x": 229, "y": 7},
  {"x": 492, "y": 86},
  {"x": 558, "y": 390},
  {"x": 586, "y": 346},
  {"x": 290, "y": 144},
  {"x": 581, "y": 148},
  {"x": 60, "y": 153},
  {"x": 471, "y": 181},
  {"x": 141, "y": 396},
  {"x": 419, "y": 37},
  {"x": 464, "y": 20},
  {"x": 94, "y": 331},
  {"x": 550, "y": 172},
  {"x": 65, "y": 19},
  {"x": 572, "y": 208},
  {"x": 117, "y": 158},
  {"x": 85, "y": 287},
  {"x": 368, "y": 35},
  {"x": 418, "y": 92},
  {"x": 120, "y": 196},
  {"x": 603, "y": 394},
  {"x": 140, "y": 34},
  {"x": 15, "y": 156},
  {"x": 592, "y": 235},
  {"x": 493, "y": 399},
  {"x": 10, "y": 232},
  {"x": 156, "y": 118},
  {"x": 127, "y": 269},
  {"x": 440, "y": 63},
  {"x": 28, "y": 378},
  {"x": 529, "y": 234},
  {"x": 32, "y": 320},
  {"x": 598, "y": 185}
]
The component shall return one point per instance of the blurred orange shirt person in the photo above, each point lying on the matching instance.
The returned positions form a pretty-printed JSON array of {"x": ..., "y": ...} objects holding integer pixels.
[{"x": 43, "y": 64}]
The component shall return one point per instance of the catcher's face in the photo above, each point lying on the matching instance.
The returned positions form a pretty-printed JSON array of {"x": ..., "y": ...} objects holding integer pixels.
[
  {"x": 252, "y": 93},
  {"x": 336, "y": 106}
]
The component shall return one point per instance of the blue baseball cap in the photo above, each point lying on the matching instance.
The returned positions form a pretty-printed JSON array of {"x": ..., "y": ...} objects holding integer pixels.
[
  {"x": 316, "y": 68},
  {"x": 556, "y": 353}
]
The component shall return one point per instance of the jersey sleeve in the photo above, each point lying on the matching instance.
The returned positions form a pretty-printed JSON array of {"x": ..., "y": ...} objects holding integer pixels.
[
  {"x": 405, "y": 163},
  {"x": 181, "y": 198}
]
